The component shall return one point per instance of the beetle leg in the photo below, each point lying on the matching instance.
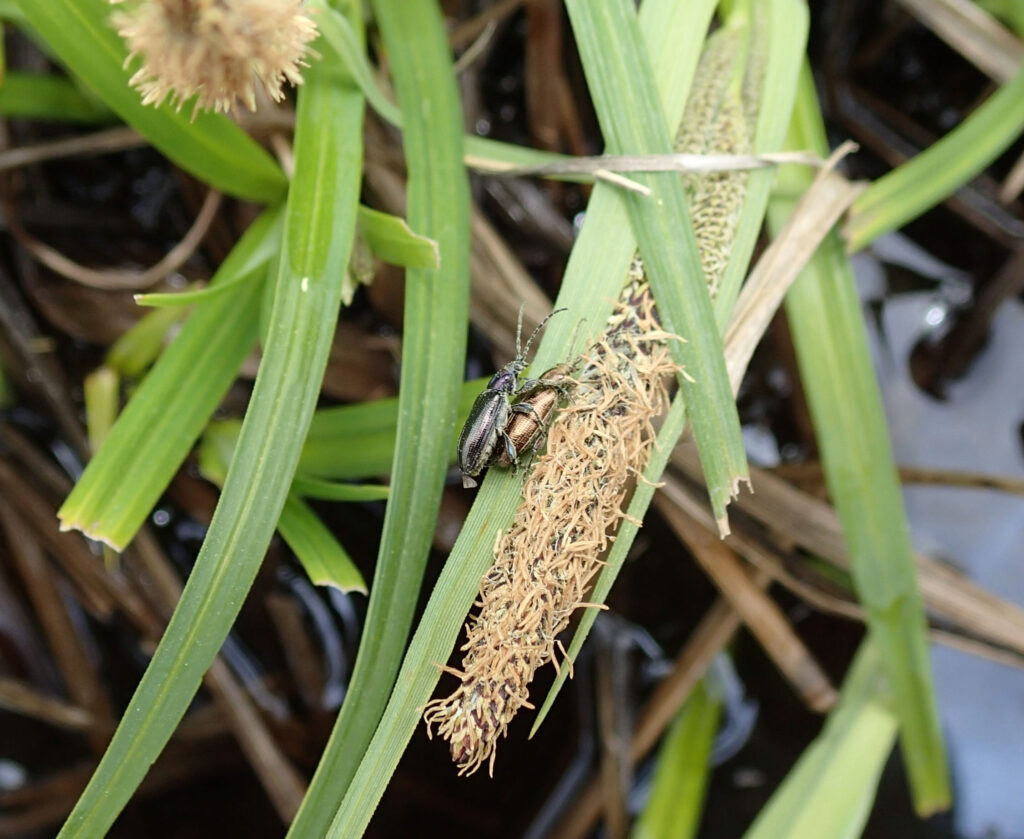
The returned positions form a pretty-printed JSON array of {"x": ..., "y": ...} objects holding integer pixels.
[
  {"x": 564, "y": 390},
  {"x": 527, "y": 408},
  {"x": 538, "y": 444},
  {"x": 540, "y": 441},
  {"x": 510, "y": 449},
  {"x": 527, "y": 386}
]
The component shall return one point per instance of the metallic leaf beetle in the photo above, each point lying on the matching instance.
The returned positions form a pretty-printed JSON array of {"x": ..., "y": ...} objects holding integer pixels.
[
  {"x": 531, "y": 415},
  {"x": 484, "y": 430}
]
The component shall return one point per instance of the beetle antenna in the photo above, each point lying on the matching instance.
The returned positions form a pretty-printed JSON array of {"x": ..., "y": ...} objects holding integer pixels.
[
  {"x": 519, "y": 332},
  {"x": 576, "y": 334},
  {"x": 540, "y": 326}
]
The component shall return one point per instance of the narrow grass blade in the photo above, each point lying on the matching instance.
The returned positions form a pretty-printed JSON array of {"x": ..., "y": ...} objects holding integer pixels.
[
  {"x": 330, "y": 491},
  {"x": 174, "y": 299},
  {"x": 319, "y": 230},
  {"x": 828, "y": 794},
  {"x": 324, "y": 559},
  {"x": 133, "y": 352},
  {"x": 938, "y": 171},
  {"x": 433, "y": 355},
  {"x": 101, "y": 394},
  {"x": 35, "y": 96},
  {"x": 358, "y": 441},
  {"x": 211, "y": 147},
  {"x": 677, "y": 796},
  {"x": 162, "y": 420},
  {"x": 391, "y": 239},
  {"x": 250, "y": 266},
  {"x": 835, "y": 366},
  {"x": 610, "y": 45}
]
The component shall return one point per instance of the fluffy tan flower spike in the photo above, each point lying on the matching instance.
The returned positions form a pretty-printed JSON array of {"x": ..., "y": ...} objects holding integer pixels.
[
  {"x": 214, "y": 50},
  {"x": 572, "y": 506}
]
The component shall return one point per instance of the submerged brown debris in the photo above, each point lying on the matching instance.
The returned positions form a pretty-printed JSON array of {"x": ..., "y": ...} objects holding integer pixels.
[
  {"x": 215, "y": 50},
  {"x": 572, "y": 505}
]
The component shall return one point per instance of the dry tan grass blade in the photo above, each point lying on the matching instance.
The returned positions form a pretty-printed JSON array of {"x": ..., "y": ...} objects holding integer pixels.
[{"x": 814, "y": 215}]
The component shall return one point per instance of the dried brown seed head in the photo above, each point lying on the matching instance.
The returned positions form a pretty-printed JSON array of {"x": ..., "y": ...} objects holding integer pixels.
[{"x": 217, "y": 51}]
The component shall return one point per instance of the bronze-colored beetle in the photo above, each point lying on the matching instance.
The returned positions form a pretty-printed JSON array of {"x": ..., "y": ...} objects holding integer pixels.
[{"x": 533, "y": 412}]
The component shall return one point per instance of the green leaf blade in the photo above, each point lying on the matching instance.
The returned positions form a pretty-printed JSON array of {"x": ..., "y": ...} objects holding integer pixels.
[
  {"x": 320, "y": 225},
  {"x": 324, "y": 559},
  {"x": 329, "y": 491},
  {"x": 931, "y": 176},
  {"x": 154, "y": 433},
  {"x": 828, "y": 794},
  {"x": 614, "y": 61},
  {"x": 434, "y": 329},
  {"x": 846, "y": 407},
  {"x": 680, "y": 782}
]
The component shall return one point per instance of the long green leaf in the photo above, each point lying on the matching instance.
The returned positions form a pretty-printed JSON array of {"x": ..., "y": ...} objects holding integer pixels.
[
  {"x": 835, "y": 367},
  {"x": 319, "y": 230},
  {"x": 945, "y": 166},
  {"x": 433, "y": 355},
  {"x": 680, "y": 781},
  {"x": 173, "y": 299},
  {"x": 828, "y": 794},
  {"x": 392, "y": 240},
  {"x": 211, "y": 147},
  {"x": 324, "y": 559},
  {"x": 621, "y": 83},
  {"x": 307, "y": 487},
  {"x": 35, "y": 96},
  {"x": 358, "y": 441},
  {"x": 158, "y": 426}
]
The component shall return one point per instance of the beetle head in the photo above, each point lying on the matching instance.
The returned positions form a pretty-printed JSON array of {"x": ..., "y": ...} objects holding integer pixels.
[{"x": 506, "y": 378}]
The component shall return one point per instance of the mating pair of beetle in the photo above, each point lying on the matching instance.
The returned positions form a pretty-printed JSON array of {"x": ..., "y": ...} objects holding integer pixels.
[{"x": 499, "y": 430}]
